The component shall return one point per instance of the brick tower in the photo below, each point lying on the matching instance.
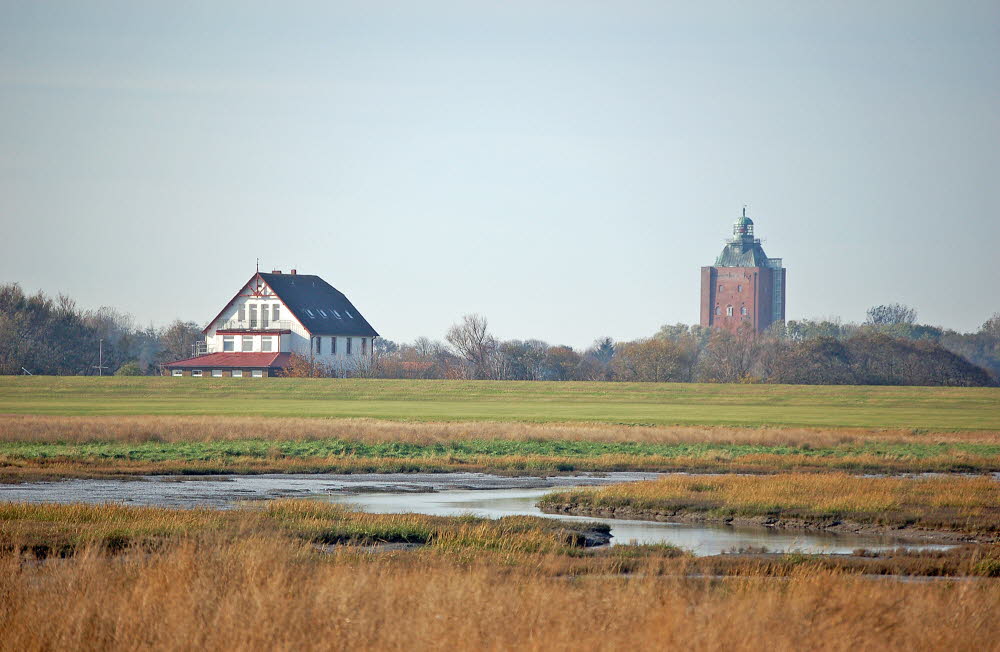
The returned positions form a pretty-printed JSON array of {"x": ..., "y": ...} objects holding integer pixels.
[{"x": 744, "y": 286}]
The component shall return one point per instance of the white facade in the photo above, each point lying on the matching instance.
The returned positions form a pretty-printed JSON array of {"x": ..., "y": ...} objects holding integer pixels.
[{"x": 257, "y": 320}]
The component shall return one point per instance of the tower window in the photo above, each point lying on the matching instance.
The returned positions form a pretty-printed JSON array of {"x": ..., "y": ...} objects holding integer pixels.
[
  {"x": 718, "y": 310},
  {"x": 739, "y": 288},
  {"x": 720, "y": 288},
  {"x": 729, "y": 311},
  {"x": 743, "y": 310}
]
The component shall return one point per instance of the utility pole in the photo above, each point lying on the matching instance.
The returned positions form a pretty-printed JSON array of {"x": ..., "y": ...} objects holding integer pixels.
[{"x": 100, "y": 358}]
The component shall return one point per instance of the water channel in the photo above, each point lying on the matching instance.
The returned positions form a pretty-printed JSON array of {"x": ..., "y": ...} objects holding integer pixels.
[{"x": 444, "y": 494}]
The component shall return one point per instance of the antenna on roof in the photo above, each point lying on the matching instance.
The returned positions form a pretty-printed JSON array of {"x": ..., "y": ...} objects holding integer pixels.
[
  {"x": 744, "y": 210},
  {"x": 258, "y": 265}
]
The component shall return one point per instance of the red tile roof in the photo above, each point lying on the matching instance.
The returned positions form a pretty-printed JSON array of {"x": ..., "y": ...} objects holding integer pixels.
[{"x": 219, "y": 360}]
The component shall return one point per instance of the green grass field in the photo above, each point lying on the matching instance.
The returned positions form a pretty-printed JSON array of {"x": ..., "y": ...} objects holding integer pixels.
[{"x": 916, "y": 408}]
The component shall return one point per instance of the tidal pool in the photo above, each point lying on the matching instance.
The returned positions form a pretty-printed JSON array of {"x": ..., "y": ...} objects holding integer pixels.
[{"x": 442, "y": 494}]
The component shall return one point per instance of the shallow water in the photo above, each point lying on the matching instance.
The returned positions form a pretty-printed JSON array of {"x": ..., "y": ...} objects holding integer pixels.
[{"x": 444, "y": 494}]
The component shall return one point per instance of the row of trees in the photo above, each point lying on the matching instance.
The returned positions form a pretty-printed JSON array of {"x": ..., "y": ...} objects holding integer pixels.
[
  {"x": 890, "y": 348},
  {"x": 43, "y": 335}
]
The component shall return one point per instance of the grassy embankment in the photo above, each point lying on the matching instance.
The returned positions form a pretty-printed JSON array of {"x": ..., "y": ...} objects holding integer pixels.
[
  {"x": 515, "y": 427},
  {"x": 255, "y": 578},
  {"x": 926, "y": 408},
  {"x": 961, "y": 505}
]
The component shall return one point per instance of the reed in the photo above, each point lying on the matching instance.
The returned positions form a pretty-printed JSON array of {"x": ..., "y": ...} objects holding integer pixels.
[{"x": 260, "y": 592}]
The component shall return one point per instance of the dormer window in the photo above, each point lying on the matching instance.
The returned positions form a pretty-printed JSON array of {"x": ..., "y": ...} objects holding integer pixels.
[
  {"x": 336, "y": 314},
  {"x": 348, "y": 313},
  {"x": 309, "y": 312}
]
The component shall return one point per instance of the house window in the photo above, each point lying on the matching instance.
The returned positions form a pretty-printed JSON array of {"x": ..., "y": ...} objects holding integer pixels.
[
  {"x": 364, "y": 345},
  {"x": 228, "y": 342},
  {"x": 247, "y": 343},
  {"x": 253, "y": 316},
  {"x": 319, "y": 345},
  {"x": 243, "y": 312},
  {"x": 267, "y": 344},
  {"x": 237, "y": 373},
  {"x": 743, "y": 310},
  {"x": 739, "y": 288},
  {"x": 216, "y": 373},
  {"x": 265, "y": 313},
  {"x": 177, "y": 372},
  {"x": 276, "y": 312},
  {"x": 349, "y": 345},
  {"x": 196, "y": 373},
  {"x": 257, "y": 373},
  {"x": 333, "y": 345},
  {"x": 729, "y": 311}
]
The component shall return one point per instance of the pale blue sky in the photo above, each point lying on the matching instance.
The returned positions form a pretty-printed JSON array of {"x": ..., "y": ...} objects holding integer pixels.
[{"x": 563, "y": 168}]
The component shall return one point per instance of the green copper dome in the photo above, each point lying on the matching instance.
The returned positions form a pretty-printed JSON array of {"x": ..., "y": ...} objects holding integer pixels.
[{"x": 743, "y": 250}]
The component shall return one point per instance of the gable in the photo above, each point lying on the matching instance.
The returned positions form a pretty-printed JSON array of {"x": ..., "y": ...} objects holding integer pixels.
[{"x": 255, "y": 288}]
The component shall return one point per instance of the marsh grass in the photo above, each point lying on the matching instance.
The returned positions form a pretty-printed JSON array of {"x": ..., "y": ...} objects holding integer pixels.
[
  {"x": 264, "y": 592},
  {"x": 48, "y": 528},
  {"x": 34, "y": 447},
  {"x": 960, "y": 504}
]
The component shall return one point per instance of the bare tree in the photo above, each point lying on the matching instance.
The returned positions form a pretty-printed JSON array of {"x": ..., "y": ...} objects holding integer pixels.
[
  {"x": 891, "y": 314},
  {"x": 473, "y": 341},
  {"x": 732, "y": 357}
]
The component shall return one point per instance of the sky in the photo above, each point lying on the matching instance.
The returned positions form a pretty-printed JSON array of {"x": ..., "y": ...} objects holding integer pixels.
[{"x": 562, "y": 168}]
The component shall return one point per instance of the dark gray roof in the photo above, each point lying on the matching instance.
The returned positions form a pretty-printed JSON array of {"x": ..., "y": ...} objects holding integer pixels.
[{"x": 322, "y": 308}]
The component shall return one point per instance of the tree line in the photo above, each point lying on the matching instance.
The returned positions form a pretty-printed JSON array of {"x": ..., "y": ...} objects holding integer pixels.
[
  {"x": 45, "y": 335},
  {"x": 52, "y": 336},
  {"x": 889, "y": 348}
]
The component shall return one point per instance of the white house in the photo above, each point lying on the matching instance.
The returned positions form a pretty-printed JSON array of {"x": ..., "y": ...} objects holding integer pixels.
[{"x": 273, "y": 316}]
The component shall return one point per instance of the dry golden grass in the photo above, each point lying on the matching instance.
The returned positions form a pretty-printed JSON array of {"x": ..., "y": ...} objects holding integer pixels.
[
  {"x": 263, "y": 593},
  {"x": 962, "y": 504},
  {"x": 135, "y": 429},
  {"x": 55, "y": 529}
]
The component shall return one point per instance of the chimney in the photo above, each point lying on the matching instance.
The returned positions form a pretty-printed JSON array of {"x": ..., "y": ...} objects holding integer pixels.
[
  {"x": 295, "y": 271},
  {"x": 275, "y": 271}
]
